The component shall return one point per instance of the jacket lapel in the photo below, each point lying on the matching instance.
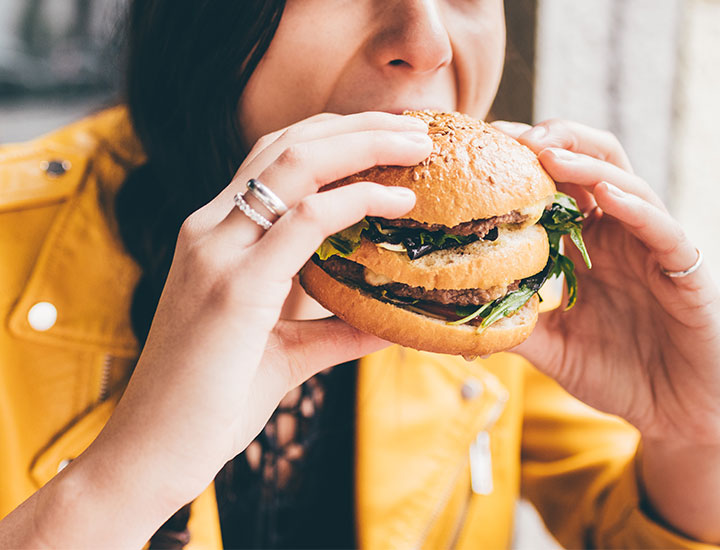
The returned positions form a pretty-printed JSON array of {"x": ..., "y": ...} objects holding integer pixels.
[{"x": 82, "y": 268}]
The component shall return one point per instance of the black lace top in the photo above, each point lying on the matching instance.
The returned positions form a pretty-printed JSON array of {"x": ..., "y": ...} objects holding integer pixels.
[{"x": 293, "y": 486}]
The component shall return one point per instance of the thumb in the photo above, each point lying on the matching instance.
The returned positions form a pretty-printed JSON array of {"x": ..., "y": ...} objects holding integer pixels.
[{"x": 300, "y": 349}]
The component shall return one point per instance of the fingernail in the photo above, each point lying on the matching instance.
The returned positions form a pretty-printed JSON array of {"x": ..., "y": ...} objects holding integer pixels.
[
  {"x": 561, "y": 154},
  {"x": 509, "y": 127},
  {"x": 613, "y": 190},
  {"x": 401, "y": 192},
  {"x": 417, "y": 137},
  {"x": 416, "y": 122},
  {"x": 537, "y": 133}
]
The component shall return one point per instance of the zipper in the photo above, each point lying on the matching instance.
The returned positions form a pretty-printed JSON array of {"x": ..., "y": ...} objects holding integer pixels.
[
  {"x": 442, "y": 503},
  {"x": 493, "y": 416},
  {"x": 105, "y": 378}
]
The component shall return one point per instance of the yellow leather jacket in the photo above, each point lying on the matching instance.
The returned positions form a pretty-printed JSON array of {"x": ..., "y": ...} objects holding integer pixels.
[{"x": 66, "y": 348}]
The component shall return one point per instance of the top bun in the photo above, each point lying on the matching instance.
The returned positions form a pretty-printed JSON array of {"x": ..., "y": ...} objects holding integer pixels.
[{"x": 474, "y": 172}]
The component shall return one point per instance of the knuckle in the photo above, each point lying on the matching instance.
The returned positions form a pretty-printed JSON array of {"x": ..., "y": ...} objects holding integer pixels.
[
  {"x": 320, "y": 117},
  {"x": 612, "y": 143},
  {"x": 309, "y": 211},
  {"x": 265, "y": 141},
  {"x": 559, "y": 126},
  {"x": 293, "y": 156},
  {"x": 609, "y": 137},
  {"x": 293, "y": 134},
  {"x": 562, "y": 132},
  {"x": 189, "y": 230},
  {"x": 201, "y": 258}
]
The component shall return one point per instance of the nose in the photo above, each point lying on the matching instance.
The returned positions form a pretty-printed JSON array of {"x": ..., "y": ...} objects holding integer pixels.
[{"x": 412, "y": 37}]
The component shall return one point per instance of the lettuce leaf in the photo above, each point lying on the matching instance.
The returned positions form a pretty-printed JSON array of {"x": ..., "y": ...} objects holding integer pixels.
[{"x": 343, "y": 243}]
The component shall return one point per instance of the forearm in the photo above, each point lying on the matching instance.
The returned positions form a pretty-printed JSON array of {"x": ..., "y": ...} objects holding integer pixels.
[
  {"x": 98, "y": 500},
  {"x": 682, "y": 485}
]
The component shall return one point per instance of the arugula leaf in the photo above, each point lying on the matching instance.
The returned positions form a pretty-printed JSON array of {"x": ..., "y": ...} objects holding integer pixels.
[
  {"x": 567, "y": 267},
  {"x": 343, "y": 243},
  {"x": 502, "y": 307},
  {"x": 507, "y": 305},
  {"x": 564, "y": 218},
  {"x": 478, "y": 312},
  {"x": 576, "y": 237}
]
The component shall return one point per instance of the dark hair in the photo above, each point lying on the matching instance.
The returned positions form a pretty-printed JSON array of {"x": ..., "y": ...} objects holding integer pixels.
[{"x": 188, "y": 64}]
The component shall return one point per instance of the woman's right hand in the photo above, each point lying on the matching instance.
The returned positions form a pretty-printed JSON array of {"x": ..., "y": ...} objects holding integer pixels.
[{"x": 218, "y": 360}]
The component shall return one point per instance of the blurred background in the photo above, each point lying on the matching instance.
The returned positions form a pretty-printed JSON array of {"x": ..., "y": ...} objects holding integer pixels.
[
  {"x": 647, "y": 70},
  {"x": 58, "y": 62}
]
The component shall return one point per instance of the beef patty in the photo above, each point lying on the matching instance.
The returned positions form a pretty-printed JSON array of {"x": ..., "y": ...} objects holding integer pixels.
[
  {"x": 473, "y": 227},
  {"x": 342, "y": 268}
]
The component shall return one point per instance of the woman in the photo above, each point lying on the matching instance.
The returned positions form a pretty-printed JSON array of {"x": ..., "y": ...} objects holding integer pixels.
[{"x": 206, "y": 81}]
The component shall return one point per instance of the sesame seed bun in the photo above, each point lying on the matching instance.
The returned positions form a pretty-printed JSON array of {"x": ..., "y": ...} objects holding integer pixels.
[{"x": 474, "y": 172}]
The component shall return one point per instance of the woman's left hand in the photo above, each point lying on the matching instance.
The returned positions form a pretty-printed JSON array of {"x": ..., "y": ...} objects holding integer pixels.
[{"x": 638, "y": 343}]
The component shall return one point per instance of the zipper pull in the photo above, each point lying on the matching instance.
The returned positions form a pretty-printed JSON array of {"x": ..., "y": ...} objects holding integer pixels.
[{"x": 481, "y": 474}]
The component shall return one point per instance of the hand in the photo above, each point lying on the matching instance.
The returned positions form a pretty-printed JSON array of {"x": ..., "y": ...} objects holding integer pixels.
[
  {"x": 637, "y": 344},
  {"x": 218, "y": 360}
]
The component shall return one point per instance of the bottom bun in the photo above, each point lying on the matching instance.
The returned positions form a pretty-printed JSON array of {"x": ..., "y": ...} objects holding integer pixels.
[{"x": 410, "y": 329}]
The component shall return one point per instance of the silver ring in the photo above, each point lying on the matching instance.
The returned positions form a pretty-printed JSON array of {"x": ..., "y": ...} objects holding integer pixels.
[
  {"x": 266, "y": 196},
  {"x": 692, "y": 269},
  {"x": 251, "y": 213}
]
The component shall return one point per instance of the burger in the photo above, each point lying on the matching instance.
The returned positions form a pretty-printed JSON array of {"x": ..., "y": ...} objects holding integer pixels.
[{"x": 460, "y": 273}]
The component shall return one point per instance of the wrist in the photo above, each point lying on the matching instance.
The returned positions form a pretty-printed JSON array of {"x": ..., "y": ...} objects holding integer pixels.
[{"x": 95, "y": 500}]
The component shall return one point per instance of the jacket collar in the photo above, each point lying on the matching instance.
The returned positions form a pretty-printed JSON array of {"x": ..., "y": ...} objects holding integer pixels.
[{"x": 82, "y": 268}]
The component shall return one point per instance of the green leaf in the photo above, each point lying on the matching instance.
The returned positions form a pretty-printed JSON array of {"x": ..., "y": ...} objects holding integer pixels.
[
  {"x": 502, "y": 307},
  {"x": 576, "y": 237},
  {"x": 344, "y": 242},
  {"x": 507, "y": 305},
  {"x": 567, "y": 267},
  {"x": 478, "y": 312},
  {"x": 564, "y": 218}
]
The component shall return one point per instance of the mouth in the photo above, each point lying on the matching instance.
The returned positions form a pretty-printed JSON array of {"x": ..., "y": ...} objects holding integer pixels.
[{"x": 401, "y": 110}]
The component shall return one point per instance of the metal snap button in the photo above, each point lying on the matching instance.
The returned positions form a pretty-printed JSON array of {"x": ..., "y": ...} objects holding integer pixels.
[
  {"x": 42, "y": 316},
  {"x": 56, "y": 168},
  {"x": 471, "y": 388}
]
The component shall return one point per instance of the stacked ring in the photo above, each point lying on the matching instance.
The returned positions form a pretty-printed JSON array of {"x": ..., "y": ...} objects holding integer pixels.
[
  {"x": 251, "y": 213},
  {"x": 267, "y": 197}
]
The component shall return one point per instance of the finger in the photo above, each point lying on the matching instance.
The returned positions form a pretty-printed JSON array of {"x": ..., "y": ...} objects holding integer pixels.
[
  {"x": 587, "y": 171},
  {"x": 265, "y": 141},
  {"x": 303, "y": 168},
  {"x": 576, "y": 137},
  {"x": 585, "y": 199},
  {"x": 298, "y": 234},
  {"x": 513, "y": 129},
  {"x": 309, "y": 347},
  {"x": 655, "y": 228},
  {"x": 319, "y": 128}
]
